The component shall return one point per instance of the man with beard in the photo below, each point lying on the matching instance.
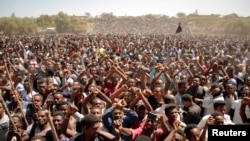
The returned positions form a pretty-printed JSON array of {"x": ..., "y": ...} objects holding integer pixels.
[{"x": 58, "y": 118}]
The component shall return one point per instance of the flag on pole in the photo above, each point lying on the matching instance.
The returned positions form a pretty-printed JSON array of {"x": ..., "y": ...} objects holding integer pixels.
[{"x": 179, "y": 28}]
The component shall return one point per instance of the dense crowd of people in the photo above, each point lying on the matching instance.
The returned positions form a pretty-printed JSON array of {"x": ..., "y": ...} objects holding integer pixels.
[
  {"x": 140, "y": 25},
  {"x": 122, "y": 87}
]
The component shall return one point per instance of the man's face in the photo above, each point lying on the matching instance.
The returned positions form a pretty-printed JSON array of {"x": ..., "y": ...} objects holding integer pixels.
[
  {"x": 194, "y": 135},
  {"x": 57, "y": 120},
  {"x": 114, "y": 80},
  {"x": 97, "y": 112},
  {"x": 196, "y": 81},
  {"x": 131, "y": 83},
  {"x": 229, "y": 88},
  {"x": 92, "y": 130},
  {"x": 141, "y": 111},
  {"x": 64, "y": 109},
  {"x": 66, "y": 73},
  {"x": 118, "y": 114},
  {"x": 98, "y": 103},
  {"x": 157, "y": 93},
  {"x": 221, "y": 109},
  {"x": 151, "y": 124},
  {"x": 15, "y": 96},
  {"x": 42, "y": 119},
  {"x": 182, "y": 89},
  {"x": 50, "y": 84},
  {"x": 37, "y": 101},
  {"x": 42, "y": 87},
  {"x": 26, "y": 85},
  {"x": 16, "y": 122},
  {"x": 219, "y": 120},
  {"x": 57, "y": 98},
  {"x": 172, "y": 114},
  {"x": 245, "y": 92}
]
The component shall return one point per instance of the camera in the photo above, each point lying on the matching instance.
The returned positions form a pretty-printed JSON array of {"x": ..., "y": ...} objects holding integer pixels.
[{"x": 152, "y": 116}]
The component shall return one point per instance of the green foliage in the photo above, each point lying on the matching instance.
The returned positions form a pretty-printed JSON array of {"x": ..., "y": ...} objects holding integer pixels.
[
  {"x": 180, "y": 15},
  {"x": 44, "y": 21},
  {"x": 62, "y": 22},
  {"x": 198, "y": 24},
  {"x": 107, "y": 16},
  {"x": 238, "y": 26},
  {"x": 17, "y": 26}
]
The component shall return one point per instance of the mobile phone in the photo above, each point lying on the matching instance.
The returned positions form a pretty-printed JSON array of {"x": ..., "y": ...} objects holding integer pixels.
[{"x": 152, "y": 116}]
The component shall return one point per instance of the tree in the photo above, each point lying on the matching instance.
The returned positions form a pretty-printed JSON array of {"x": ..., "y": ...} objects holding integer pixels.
[
  {"x": 77, "y": 23},
  {"x": 62, "y": 22},
  {"x": 107, "y": 16},
  {"x": 181, "y": 15},
  {"x": 233, "y": 15},
  {"x": 239, "y": 26},
  {"x": 44, "y": 21}
]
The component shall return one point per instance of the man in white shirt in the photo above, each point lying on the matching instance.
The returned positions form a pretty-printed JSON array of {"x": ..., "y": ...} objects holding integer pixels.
[
  {"x": 214, "y": 95},
  {"x": 235, "y": 108},
  {"x": 219, "y": 106}
]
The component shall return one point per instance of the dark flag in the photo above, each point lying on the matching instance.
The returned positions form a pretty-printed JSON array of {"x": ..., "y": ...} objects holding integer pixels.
[{"x": 179, "y": 28}]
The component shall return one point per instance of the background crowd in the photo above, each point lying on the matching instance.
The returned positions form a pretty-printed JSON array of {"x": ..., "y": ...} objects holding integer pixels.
[{"x": 125, "y": 87}]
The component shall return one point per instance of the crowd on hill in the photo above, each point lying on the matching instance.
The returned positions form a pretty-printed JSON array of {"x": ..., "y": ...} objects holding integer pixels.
[
  {"x": 122, "y": 87},
  {"x": 140, "y": 25}
]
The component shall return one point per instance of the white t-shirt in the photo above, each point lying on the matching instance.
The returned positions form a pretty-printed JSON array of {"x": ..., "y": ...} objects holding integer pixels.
[
  {"x": 208, "y": 103},
  {"x": 236, "y": 106},
  {"x": 202, "y": 123}
]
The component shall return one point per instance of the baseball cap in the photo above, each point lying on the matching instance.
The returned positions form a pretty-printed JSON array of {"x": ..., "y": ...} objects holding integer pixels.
[{"x": 140, "y": 104}]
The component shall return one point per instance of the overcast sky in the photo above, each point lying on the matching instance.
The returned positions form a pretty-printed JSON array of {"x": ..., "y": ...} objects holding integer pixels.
[{"x": 34, "y": 8}]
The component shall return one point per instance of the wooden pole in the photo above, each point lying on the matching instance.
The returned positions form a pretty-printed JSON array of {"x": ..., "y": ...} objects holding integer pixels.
[
  {"x": 52, "y": 126},
  {"x": 7, "y": 111},
  {"x": 13, "y": 90}
]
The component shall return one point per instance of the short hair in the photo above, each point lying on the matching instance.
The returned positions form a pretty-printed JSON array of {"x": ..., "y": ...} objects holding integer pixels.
[
  {"x": 58, "y": 113},
  {"x": 89, "y": 120},
  {"x": 168, "y": 98},
  {"x": 94, "y": 107},
  {"x": 58, "y": 92},
  {"x": 50, "y": 72},
  {"x": 17, "y": 116},
  {"x": 60, "y": 103},
  {"x": 180, "y": 83},
  {"x": 243, "y": 86},
  {"x": 39, "y": 95},
  {"x": 188, "y": 128},
  {"x": 169, "y": 107},
  {"x": 197, "y": 76},
  {"x": 219, "y": 103},
  {"x": 41, "y": 80},
  {"x": 216, "y": 114},
  {"x": 216, "y": 85},
  {"x": 186, "y": 97}
]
